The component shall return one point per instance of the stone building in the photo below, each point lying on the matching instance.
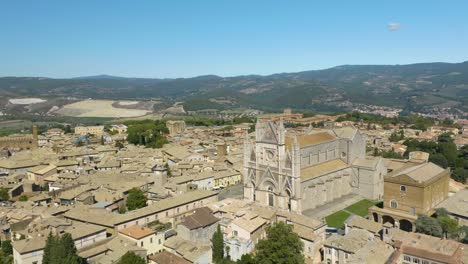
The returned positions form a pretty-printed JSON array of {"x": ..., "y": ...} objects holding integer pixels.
[
  {"x": 91, "y": 130},
  {"x": 175, "y": 126},
  {"x": 411, "y": 189},
  {"x": 20, "y": 141},
  {"x": 198, "y": 226},
  {"x": 299, "y": 172}
]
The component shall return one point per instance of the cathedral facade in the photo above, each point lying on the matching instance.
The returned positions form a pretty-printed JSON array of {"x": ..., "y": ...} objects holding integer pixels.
[{"x": 301, "y": 171}]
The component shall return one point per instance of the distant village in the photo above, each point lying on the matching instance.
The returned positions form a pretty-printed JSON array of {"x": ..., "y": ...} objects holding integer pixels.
[{"x": 352, "y": 191}]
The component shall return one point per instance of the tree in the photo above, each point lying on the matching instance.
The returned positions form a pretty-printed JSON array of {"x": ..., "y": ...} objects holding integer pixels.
[
  {"x": 376, "y": 152},
  {"x": 428, "y": 225},
  {"x": 136, "y": 199},
  {"x": 168, "y": 170},
  {"x": 147, "y": 132},
  {"x": 460, "y": 175},
  {"x": 441, "y": 212},
  {"x": 6, "y": 247},
  {"x": 23, "y": 198},
  {"x": 50, "y": 244},
  {"x": 439, "y": 159},
  {"x": 131, "y": 258},
  {"x": 449, "y": 226},
  {"x": 217, "y": 245},
  {"x": 4, "y": 194},
  {"x": 282, "y": 245},
  {"x": 463, "y": 234},
  {"x": 60, "y": 250},
  {"x": 119, "y": 145},
  {"x": 246, "y": 259},
  {"x": 68, "y": 129}
]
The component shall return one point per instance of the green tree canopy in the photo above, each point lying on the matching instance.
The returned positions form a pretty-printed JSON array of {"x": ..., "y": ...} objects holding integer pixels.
[
  {"x": 428, "y": 225},
  {"x": 136, "y": 199},
  {"x": 4, "y": 194},
  {"x": 439, "y": 159},
  {"x": 6, "y": 247},
  {"x": 60, "y": 250},
  {"x": 131, "y": 258},
  {"x": 281, "y": 245},
  {"x": 149, "y": 133},
  {"x": 441, "y": 212},
  {"x": 449, "y": 226}
]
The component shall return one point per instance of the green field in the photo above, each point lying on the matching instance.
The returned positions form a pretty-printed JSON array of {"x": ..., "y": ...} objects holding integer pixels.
[
  {"x": 360, "y": 208},
  {"x": 337, "y": 219}
]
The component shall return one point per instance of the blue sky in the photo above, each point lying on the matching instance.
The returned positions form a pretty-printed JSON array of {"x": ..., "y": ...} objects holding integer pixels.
[{"x": 156, "y": 38}]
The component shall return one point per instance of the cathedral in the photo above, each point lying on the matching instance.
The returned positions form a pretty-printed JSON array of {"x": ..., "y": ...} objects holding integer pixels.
[{"x": 299, "y": 171}]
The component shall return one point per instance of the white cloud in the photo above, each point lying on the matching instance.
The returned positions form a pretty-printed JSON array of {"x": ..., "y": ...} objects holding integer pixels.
[{"x": 393, "y": 26}]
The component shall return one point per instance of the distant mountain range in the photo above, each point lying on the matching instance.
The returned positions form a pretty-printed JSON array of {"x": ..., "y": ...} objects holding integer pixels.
[{"x": 414, "y": 87}]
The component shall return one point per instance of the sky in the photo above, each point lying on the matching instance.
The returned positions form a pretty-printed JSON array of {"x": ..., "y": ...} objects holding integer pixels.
[{"x": 174, "y": 38}]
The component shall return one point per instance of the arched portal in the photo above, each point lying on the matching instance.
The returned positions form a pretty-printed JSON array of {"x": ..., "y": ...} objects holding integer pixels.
[
  {"x": 388, "y": 219},
  {"x": 406, "y": 225}
]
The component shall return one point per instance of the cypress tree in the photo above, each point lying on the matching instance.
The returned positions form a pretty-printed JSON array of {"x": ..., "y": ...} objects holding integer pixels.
[
  {"x": 218, "y": 246},
  {"x": 50, "y": 243}
]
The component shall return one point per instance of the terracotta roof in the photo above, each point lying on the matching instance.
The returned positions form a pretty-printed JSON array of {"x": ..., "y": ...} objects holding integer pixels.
[
  {"x": 432, "y": 248},
  {"x": 166, "y": 257},
  {"x": 137, "y": 232},
  {"x": 420, "y": 173},
  {"x": 201, "y": 217},
  {"x": 249, "y": 225}
]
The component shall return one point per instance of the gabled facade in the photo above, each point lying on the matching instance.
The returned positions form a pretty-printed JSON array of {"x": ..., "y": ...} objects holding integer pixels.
[{"x": 298, "y": 172}]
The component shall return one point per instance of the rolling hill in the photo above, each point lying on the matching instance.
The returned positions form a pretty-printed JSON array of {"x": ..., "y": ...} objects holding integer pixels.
[{"x": 415, "y": 87}]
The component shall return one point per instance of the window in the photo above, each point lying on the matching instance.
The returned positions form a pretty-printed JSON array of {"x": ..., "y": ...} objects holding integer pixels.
[
  {"x": 159, "y": 241},
  {"x": 403, "y": 188},
  {"x": 151, "y": 240},
  {"x": 425, "y": 262},
  {"x": 412, "y": 211},
  {"x": 393, "y": 204},
  {"x": 407, "y": 258},
  {"x": 415, "y": 260},
  {"x": 141, "y": 243}
]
